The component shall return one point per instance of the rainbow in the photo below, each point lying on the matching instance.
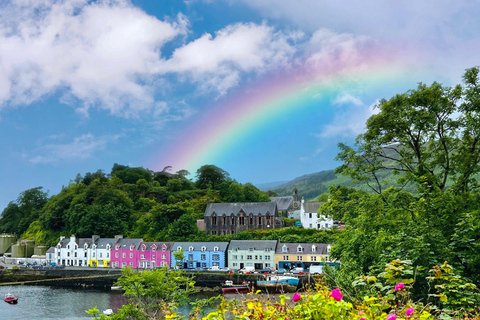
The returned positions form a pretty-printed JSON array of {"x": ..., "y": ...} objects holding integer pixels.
[{"x": 232, "y": 121}]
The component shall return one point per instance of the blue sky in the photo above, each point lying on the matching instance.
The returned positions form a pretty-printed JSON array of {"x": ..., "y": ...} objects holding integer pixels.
[{"x": 86, "y": 84}]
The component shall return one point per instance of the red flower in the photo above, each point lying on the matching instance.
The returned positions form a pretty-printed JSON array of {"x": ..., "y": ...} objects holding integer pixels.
[
  {"x": 399, "y": 286},
  {"x": 296, "y": 297},
  {"x": 336, "y": 294}
]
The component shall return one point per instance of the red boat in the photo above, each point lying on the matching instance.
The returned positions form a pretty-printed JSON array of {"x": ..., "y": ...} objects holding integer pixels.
[
  {"x": 230, "y": 287},
  {"x": 10, "y": 298}
]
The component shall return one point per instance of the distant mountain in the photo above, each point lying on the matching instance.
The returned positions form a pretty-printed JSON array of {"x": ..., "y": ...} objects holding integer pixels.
[
  {"x": 312, "y": 185},
  {"x": 269, "y": 185}
]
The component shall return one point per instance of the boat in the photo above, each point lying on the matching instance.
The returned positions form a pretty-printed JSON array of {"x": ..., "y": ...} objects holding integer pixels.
[
  {"x": 10, "y": 298},
  {"x": 230, "y": 287},
  {"x": 280, "y": 284},
  {"x": 107, "y": 312}
]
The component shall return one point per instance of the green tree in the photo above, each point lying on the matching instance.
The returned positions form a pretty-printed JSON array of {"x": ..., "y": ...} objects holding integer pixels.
[{"x": 210, "y": 176}]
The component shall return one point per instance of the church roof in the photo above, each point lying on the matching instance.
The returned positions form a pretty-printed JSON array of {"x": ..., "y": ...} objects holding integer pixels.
[
  {"x": 283, "y": 203},
  {"x": 248, "y": 207}
]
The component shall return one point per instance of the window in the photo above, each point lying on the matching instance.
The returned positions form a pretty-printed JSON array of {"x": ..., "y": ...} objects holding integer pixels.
[
  {"x": 310, "y": 215},
  {"x": 116, "y": 254},
  {"x": 76, "y": 247},
  {"x": 267, "y": 249},
  {"x": 68, "y": 254},
  {"x": 313, "y": 258},
  {"x": 108, "y": 254},
  {"x": 93, "y": 254},
  {"x": 299, "y": 258},
  {"x": 251, "y": 249},
  {"x": 235, "y": 257},
  {"x": 124, "y": 264},
  {"x": 153, "y": 256},
  {"x": 124, "y": 255},
  {"x": 190, "y": 257},
  {"x": 204, "y": 249},
  {"x": 215, "y": 257},
  {"x": 203, "y": 257},
  {"x": 85, "y": 254},
  {"x": 284, "y": 248},
  {"x": 233, "y": 220},
  {"x": 216, "y": 264},
  {"x": 251, "y": 220},
  {"x": 299, "y": 249},
  {"x": 68, "y": 246},
  {"x": 131, "y": 248},
  {"x": 75, "y": 255},
  {"x": 204, "y": 264},
  {"x": 143, "y": 247},
  {"x": 249, "y": 257},
  {"x": 259, "y": 220},
  {"x": 142, "y": 256},
  {"x": 285, "y": 258},
  {"x": 164, "y": 256},
  {"x": 100, "y": 254},
  {"x": 215, "y": 249},
  {"x": 314, "y": 249},
  {"x": 310, "y": 226},
  {"x": 224, "y": 220},
  {"x": 163, "y": 264},
  {"x": 164, "y": 248},
  {"x": 154, "y": 248},
  {"x": 234, "y": 264},
  {"x": 256, "y": 257},
  {"x": 131, "y": 264},
  {"x": 241, "y": 220},
  {"x": 327, "y": 258},
  {"x": 190, "y": 248},
  {"x": 214, "y": 220},
  {"x": 266, "y": 257},
  {"x": 267, "y": 265},
  {"x": 131, "y": 255}
]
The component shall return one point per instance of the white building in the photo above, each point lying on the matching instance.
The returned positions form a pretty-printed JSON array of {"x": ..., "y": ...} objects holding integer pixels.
[
  {"x": 258, "y": 254},
  {"x": 93, "y": 252},
  {"x": 311, "y": 219}
]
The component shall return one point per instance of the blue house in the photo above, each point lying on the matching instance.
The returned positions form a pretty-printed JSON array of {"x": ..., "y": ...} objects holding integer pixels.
[{"x": 200, "y": 254}]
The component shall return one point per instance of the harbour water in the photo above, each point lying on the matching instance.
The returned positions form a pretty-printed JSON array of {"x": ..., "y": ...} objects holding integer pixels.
[{"x": 48, "y": 303}]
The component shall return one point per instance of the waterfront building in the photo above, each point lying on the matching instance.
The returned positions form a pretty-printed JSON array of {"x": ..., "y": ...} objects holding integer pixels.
[
  {"x": 310, "y": 217},
  {"x": 200, "y": 254},
  {"x": 230, "y": 218},
  {"x": 289, "y": 255},
  {"x": 93, "y": 252},
  {"x": 251, "y": 253},
  {"x": 154, "y": 254},
  {"x": 125, "y": 253},
  {"x": 50, "y": 255}
]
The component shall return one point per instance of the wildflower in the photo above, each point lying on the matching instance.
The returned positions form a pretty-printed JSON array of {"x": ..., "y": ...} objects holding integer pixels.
[
  {"x": 362, "y": 319},
  {"x": 391, "y": 316},
  {"x": 399, "y": 286},
  {"x": 296, "y": 297},
  {"x": 336, "y": 294},
  {"x": 409, "y": 312}
]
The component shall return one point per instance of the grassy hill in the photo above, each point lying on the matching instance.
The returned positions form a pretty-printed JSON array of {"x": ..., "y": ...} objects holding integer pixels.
[{"x": 312, "y": 185}]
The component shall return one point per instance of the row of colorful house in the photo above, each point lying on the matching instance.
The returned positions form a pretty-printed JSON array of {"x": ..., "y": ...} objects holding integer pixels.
[{"x": 120, "y": 252}]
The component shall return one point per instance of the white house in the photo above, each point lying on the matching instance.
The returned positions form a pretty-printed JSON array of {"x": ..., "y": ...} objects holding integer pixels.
[
  {"x": 94, "y": 251},
  {"x": 311, "y": 219},
  {"x": 258, "y": 254}
]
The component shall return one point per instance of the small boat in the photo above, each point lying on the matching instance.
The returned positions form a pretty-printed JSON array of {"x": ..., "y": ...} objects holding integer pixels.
[
  {"x": 107, "y": 312},
  {"x": 279, "y": 284},
  {"x": 10, "y": 298},
  {"x": 230, "y": 287}
]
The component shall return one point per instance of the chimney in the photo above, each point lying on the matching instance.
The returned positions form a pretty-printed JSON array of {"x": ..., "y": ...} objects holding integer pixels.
[
  {"x": 95, "y": 238},
  {"x": 62, "y": 237},
  {"x": 118, "y": 237}
]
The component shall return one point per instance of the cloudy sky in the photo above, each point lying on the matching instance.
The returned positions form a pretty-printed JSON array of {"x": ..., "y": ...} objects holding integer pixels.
[{"x": 264, "y": 89}]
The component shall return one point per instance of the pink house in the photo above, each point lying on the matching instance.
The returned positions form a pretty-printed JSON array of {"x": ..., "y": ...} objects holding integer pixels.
[
  {"x": 153, "y": 255},
  {"x": 125, "y": 253}
]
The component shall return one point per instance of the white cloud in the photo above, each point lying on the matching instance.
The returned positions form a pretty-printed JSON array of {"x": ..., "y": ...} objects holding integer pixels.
[
  {"x": 350, "y": 121},
  {"x": 102, "y": 52},
  {"x": 81, "y": 148},
  {"x": 218, "y": 62}
]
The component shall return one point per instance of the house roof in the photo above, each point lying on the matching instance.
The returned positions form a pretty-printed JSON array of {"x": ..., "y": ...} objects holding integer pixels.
[
  {"x": 234, "y": 208},
  {"x": 312, "y": 206},
  {"x": 51, "y": 250},
  {"x": 125, "y": 243},
  {"x": 148, "y": 245},
  {"x": 102, "y": 243},
  {"x": 321, "y": 248},
  {"x": 255, "y": 244},
  {"x": 197, "y": 246},
  {"x": 64, "y": 242},
  {"x": 283, "y": 203}
]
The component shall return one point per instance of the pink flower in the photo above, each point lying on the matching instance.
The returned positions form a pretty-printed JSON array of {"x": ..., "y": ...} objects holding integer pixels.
[
  {"x": 409, "y": 312},
  {"x": 399, "y": 286},
  {"x": 336, "y": 294},
  {"x": 362, "y": 319},
  {"x": 391, "y": 316},
  {"x": 296, "y": 297}
]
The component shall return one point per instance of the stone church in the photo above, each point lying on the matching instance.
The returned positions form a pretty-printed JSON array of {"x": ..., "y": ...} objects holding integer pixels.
[{"x": 230, "y": 218}]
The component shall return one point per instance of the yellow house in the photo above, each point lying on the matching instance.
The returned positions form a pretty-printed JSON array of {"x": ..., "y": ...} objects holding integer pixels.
[{"x": 289, "y": 255}]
